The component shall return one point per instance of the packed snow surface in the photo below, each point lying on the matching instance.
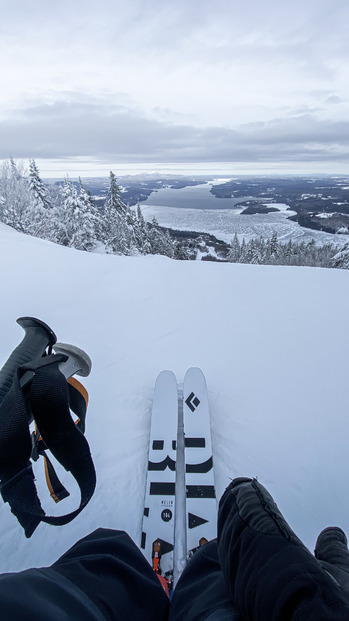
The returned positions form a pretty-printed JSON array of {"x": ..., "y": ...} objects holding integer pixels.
[{"x": 273, "y": 344}]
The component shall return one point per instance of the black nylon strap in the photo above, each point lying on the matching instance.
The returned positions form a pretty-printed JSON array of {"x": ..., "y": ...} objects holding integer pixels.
[
  {"x": 78, "y": 399},
  {"x": 16, "y": 474},
  {"x": 48, "y": 404}
]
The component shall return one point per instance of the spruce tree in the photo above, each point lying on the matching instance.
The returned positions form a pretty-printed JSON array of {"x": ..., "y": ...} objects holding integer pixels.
[
  {"x": 90, "y": 214},
  {"x": 255, "y": 255},
  {"x": 243, "y": 253},
  {"x": 274, "y": 245},
  {"x": 76, "y": 226},
  {"x": 117, "y": 231},
  {"x": 39, "y": 193},
  {"x": 235, "y": 250},
  {"x": 114, "y": 202},
  {"x": 39, "y": 213},
  {"x": 14, "y": 195},
  {"x": 160, "y": 242},
  {"x": 141, "y": 233}
]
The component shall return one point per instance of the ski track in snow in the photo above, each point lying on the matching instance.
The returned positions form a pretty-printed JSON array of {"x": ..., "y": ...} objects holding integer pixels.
[{"x": 272, "y": 342}]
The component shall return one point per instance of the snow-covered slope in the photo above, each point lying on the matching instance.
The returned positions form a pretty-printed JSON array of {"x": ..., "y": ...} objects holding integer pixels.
[{"x": 273, "y": 343}]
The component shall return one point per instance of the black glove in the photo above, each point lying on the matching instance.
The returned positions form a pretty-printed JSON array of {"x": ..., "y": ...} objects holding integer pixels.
[
  {"x": 270, "y": 574},
  {"x": 332, "y": 551}
]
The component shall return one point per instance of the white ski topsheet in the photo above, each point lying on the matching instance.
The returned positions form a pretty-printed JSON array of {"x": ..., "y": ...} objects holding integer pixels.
[
  {"x": 159, "y": 505},
  {"x": 200, "y": 489}
]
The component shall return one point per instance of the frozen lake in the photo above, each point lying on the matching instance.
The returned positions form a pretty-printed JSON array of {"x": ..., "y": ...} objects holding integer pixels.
[{"x": 194, "y": 208}]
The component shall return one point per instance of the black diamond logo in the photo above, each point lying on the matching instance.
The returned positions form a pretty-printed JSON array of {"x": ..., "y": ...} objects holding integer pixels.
[{"x": 192, "y": 402}]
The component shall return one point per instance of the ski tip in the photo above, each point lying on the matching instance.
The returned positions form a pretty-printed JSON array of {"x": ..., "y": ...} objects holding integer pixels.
[
  {"x": 166, "y": 373},
  {"x": 195, "y": 375},
  {"x": 195, "y": 371},
  {"x": 166, "y": 378}
]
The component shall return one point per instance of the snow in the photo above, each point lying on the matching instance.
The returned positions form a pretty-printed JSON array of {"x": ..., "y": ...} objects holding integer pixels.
[
  {"x": 272, "y": 342},
  {"x": 343, "y": 230}
]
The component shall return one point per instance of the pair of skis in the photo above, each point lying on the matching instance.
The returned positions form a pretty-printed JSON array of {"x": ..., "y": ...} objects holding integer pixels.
[{"x": 180, "y": 499}]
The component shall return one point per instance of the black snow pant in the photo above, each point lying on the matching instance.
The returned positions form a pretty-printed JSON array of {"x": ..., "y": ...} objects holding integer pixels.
[
  {"x": 256, "y": 570},
  {"x": 104, "y": 576}
]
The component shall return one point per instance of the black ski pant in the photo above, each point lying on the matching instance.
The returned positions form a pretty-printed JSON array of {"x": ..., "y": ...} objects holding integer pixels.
[
  {"x": 256, "y": 570},
  {"x": 104, "y": 576}
]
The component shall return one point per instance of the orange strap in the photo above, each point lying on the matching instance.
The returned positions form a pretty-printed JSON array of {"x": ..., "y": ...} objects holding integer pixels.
[
  {"x": 164, "y": 584},
  {"x": 80, "y": 388}
]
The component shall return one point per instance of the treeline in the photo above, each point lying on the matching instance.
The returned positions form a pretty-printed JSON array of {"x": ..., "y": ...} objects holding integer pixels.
[
  {"x": 272, "y": 252},
  {"x": 67, "y": 215}
]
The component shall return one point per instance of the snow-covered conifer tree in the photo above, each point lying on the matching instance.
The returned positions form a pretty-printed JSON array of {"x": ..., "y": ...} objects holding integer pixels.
[
  {"x": 235, "y": 250},
  {"x": 76, "y": 225},
  {"x": 14, "y": 195},
  {"x": 341, "y": 258},
  {"x": 160, "y": 242},
  {"x": 96, "y": 214},
  {"x": 254, "y": 252},
  {"x": 243, "y": 253},
  {"x": 114, "y": 202},
  {"x": 39, "y": 215},
  {"x": 117, "y": 231},
  {"x": 141, "y": 233},
  {"x": 169, "y": 245},
  {"x": 181, "y": 252},
  {"x": 39, "y": 193}
]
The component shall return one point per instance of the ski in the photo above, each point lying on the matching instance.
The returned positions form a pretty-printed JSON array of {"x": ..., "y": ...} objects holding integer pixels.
[
  {"x": 159, "y": 507},
  {"x": 201, "y": 509},
  {"x": 180, "y": 511}
]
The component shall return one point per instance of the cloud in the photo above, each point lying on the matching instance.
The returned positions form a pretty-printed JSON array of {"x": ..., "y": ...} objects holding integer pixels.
[
  {"x": 109, "y": 131},
  {"x": 334, "y": 99},
  {"x": 174, "y": 81},
  {"x": 204, "y": 63}
]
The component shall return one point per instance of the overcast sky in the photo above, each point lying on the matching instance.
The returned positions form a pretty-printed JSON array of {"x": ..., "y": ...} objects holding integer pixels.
[{"x": 85, "y": 86}]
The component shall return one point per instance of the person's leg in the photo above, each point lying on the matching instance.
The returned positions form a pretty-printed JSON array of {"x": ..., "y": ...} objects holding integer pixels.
[
  {"x": 201, "y": 593},
  {"x": 112, "y": 571},
  {"x": 331, "y": 550},
  {"x": 269, "y": 573},
  {"x": 103, "y": 577}
]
